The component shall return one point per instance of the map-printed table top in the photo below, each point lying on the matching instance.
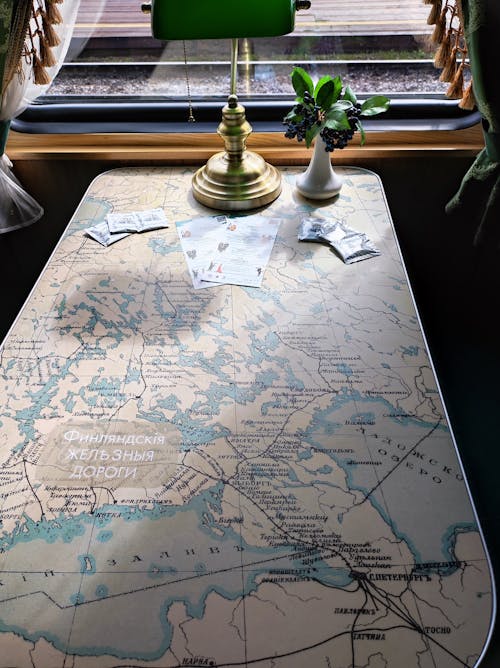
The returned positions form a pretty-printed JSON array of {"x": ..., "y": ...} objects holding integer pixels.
[{"x": 231, "y": 476}]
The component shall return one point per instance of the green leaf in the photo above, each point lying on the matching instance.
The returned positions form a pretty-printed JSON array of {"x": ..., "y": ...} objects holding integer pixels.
[
  {"x": 336, "y": 119},
  {"x": 301, "y": 82},
  {"x": 343, "y": 104},
  {"x": 311, "y": 133},
  {"x": 292, "y": 116},
  {"x": 327, "y": 91},
  {"x": 349, "y": 95},
  {"x": 338, "y": 87},
  {"x": 324, "y": 93},
  {"x": 374, "y": 105},
  {"x": 361, "y": 132}
]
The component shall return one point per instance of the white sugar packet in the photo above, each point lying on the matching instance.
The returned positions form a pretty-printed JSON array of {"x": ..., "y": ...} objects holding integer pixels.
[
  {"x": 101, "y": 233},
  {"x": 152, "y": 219},
  {"x": 351, "y": 245},
  {"x": 136, "y": 221}
]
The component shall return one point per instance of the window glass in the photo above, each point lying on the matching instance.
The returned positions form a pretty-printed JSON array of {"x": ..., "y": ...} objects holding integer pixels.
[{"x": 376, "y": 47}]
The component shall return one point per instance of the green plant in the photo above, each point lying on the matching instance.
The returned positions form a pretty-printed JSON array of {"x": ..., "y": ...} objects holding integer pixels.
[{"x": 329, "y": 110}]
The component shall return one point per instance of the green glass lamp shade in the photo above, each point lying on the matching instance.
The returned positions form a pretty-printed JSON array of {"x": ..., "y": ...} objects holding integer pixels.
[{"x": 216, "y": 19}]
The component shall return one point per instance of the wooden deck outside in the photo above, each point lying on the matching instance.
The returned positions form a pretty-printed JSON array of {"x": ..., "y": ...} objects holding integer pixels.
[{"x": 113, "y": 18}]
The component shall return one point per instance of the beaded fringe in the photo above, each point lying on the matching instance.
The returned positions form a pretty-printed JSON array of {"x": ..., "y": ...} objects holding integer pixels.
[
  {"x": 32, "y": 37},
  {"x": 451, "y": 49}
]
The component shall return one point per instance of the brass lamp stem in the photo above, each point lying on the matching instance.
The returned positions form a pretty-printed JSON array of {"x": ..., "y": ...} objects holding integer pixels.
[
  {"x": 236, "y": 179},
  {"x": 234, "y": 129},
  {"x": 234, "y": 65}
]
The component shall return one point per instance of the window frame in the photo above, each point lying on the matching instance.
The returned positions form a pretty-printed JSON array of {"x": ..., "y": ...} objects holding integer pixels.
[{"x": 129, "y": 115}]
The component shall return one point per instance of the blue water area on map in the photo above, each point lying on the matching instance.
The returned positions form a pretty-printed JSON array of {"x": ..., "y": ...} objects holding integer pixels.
[
  {"x": 101, "y": 591},
  {"x": 427, "y": 542},
  {"x": 451, "y": 535},
  {"x": 62, "y": 528},
  {"x": 411, "y": 351},
  {"x": 323, "y": 470},
  {"x": 304, "y": 454},
  {"x": 104, "y": 536},
  {"x": 225, "y": 570},
  {"x": 87, "y": 564},
  {"x": 133, "y": 375},
  {"x": 345, "y": 369},
  {"x": 194, "y": 432},
  {"x": 38, "y": 401},
  {"x": 157, "y": 571},
  {"x": 160, "y": 247}
]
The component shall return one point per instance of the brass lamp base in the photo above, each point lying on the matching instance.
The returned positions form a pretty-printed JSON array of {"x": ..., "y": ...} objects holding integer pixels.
[
  {"x": 248, "y": 184},
  {"x": 236, "y": 179}
]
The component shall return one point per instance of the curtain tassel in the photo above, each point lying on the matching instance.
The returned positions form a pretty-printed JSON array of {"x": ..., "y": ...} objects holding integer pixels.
[
  {"x": 435, "y": 13},
  {"x": 53, "y": 14},
  {"x": 440, "y": 28},
  {"x": 456, "y": 87},
  {"x": 46, "y": 56},
  {"x": 443, "y": 52},
  {"x": 450, "y": 67},
  {"x": 39, "y": 72},
  {"x": 468, "y": 100},
  {"x": 48, "y": 30}
]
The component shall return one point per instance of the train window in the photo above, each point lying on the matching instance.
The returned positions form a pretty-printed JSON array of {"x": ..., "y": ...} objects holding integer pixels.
[{"x": 375, "y": 47}]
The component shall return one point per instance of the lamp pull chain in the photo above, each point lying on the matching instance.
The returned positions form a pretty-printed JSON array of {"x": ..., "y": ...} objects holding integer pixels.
[{"x": 191, "y": 117}]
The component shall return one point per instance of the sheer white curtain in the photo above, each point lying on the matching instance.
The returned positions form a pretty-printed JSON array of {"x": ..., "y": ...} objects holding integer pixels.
[{"x": 39, "y": 37}]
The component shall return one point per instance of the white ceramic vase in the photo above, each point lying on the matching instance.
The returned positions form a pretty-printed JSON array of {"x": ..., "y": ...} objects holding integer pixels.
[{"x": 319, "y": 181}]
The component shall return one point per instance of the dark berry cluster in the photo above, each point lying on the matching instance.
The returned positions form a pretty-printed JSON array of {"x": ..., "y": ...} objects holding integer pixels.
[
  {"x": 328, "y": 109},
  {"x": 340, "y": 138},
  {"x": 305, "y": 115}
]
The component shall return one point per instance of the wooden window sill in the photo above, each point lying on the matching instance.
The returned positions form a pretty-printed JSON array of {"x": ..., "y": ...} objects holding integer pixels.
[{"x": 193, "y": 148}]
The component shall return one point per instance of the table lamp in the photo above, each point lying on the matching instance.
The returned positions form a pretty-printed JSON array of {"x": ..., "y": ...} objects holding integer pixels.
[{"x": 234, "y": 179}]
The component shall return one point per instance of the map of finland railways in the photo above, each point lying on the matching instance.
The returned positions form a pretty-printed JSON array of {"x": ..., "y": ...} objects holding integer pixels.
[{"x": 230, "y": 476}]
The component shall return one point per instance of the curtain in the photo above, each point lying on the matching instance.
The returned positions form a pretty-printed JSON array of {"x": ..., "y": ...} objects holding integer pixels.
[
  {"x": 34, "y": 39},
  {"x": 479, "y": 193},
  {"x": 478, "y": 22}
]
